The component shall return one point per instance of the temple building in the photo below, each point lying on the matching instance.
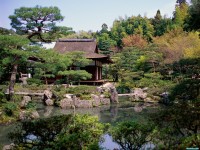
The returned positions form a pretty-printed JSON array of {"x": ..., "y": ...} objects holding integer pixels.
[{"x": 90, "y": 49}]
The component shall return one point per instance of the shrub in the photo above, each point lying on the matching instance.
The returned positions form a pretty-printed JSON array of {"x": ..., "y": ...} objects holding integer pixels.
[
  {"x": 83, "y": 89},
  {"x": 59, "y": 132},
  {"x": 31, "y": 81},
  {"x": 10, "y": 108},
  {"x": 85, "y": 97},
  {"x": 31, "y": 105},
  {"x": 131, "y": 134}
]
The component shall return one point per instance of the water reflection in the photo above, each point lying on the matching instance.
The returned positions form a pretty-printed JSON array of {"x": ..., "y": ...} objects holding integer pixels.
[{"x": 125, "y": 110}]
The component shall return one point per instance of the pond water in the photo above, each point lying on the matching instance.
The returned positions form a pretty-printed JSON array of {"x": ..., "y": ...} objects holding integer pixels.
[{"x": 125, "y": 110}]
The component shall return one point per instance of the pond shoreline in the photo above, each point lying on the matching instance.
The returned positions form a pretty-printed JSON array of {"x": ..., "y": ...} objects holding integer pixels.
[{"x": 125, "y": 110}]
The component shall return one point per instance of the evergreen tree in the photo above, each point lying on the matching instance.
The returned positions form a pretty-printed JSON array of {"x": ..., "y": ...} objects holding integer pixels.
[{"x": 38, "y": 23}]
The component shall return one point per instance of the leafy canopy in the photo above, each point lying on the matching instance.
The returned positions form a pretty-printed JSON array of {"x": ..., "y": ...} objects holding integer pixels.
[{"x": 39, "y": 23}]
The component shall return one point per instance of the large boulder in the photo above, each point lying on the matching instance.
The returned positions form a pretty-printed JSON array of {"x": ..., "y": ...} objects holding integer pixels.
[
  {"x": 48, "y": 111},
  {"x": 34, "y": 115},
  {"x": 96, "y": 100},
  {"x": 25, "y": 101},
  {"x": 66, "y": 103},
  {"x": 138, "y": 94},
  {"x": 113, "y": 95},
  {"x": 49, "y": 102},
  {"x": 83, "y": 103},
  {"x": 110, "y": 88},
  {"x": 105, "y": 101},
  {"x": 23, "y": 115},
  {"x": 108, "y": 85},
  {"x": 47, "y": 94}
]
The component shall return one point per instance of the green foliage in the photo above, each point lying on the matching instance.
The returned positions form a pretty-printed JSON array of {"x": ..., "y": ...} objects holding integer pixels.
[
  {"x": 78, "y": 59},
  {"x": 178, "y": 124},
  {"x": 132, "y": 135},
  {"x": 131, "y": 25},
  {"x": 10, "y": 108},
  {"x": 2, "y": 97},
  {"x": 161, "y": 25},
  {"x": 191, "y": 141},
  {"x": 75, "y": 75},
  {"x": 58, "y": 132},
  {"x": 31, "y": 105},
  {"x": 186, "y": 90},
  {"x": 193, "y": 21},
  {"x": 85, "y": 97},
  {"x": 34, "y": 81},
  {"x": 39, "y": 23},
  {"x": 105, "y": 43},
  {"x": 49, "y": 64},
  {"x": 180, "y": 14},
  {"x": 81, "y": 89},
  {"x": 84, "y": 133},
  {"x": 43, "y": 132},
  {"x": 4, "y": 31}
]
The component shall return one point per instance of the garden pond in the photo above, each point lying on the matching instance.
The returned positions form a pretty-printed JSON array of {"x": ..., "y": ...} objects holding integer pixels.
[{"x": 123, "y": 111}]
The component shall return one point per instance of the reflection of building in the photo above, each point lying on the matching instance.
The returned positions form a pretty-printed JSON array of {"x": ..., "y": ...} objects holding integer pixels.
[{"x": 89, "y": 47}]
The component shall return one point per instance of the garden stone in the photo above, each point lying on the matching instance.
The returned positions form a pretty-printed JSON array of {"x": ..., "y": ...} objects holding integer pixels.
[
  {"x": 66, "y": 103},
  {"x": 24, "y": 80},
  {"x": 23, "y": 115},
  {"x": 148, "y": 99},
  {"x": 68, "y": 95},
  {"x": 25, "y": 101},
  {"x": 114, "y": 95},
  {"x": 96, "y": 100},
  {"x": 138, "y": 94},
  {"x": 49, "y": 102},
  {"x": 48, "y": 111},
  {"x": 34, "y": 115},
  {"x": 83, "y": 103},
  {"x": 105, "y": 101},
  {"x": 100, "y": 90},
  {"x": 47, "y": 94}
]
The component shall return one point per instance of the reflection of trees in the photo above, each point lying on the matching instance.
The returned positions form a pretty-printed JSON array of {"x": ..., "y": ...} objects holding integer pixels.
[
  {"x": 113, "y": 111},
  {"x": 48, "y": 111}
]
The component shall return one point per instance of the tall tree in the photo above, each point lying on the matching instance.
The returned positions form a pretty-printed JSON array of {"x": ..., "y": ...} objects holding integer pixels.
[
  {"x": 193, "y": 21},
  {"x": 132, "y": 25},
  {"x": 105, "y": 43},
  {"x": 38, "y": 23},
  {"x": 50, "y": 63},
  {"x": 180, "y": 14},
  {"x": 13, "y": 51},
  {"x": 160, "y": 24},
  {"x": 104, "y": 28}
]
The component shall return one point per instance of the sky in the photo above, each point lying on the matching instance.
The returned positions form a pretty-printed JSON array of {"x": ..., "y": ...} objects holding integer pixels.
[{"x": 90, "y": 14}]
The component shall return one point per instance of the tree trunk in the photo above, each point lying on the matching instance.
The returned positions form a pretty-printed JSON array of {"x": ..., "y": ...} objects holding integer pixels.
[
  {"x": 12, "y": 81},
  {"x": 46, "y": 81}
]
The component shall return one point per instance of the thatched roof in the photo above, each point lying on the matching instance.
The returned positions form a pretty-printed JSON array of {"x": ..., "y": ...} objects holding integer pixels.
[
  {"x": 71, "y": 45},
  {"x": 88, "y": 46}
]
